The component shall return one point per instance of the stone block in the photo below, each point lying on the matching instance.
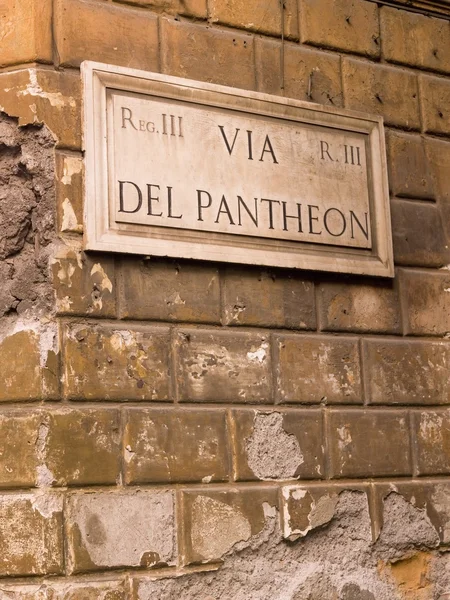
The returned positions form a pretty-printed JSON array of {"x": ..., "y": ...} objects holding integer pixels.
[
  {"x": 69, "y": 192},
  {"x": 223, "y": 366},
  {"x": 31, "y": 541},
  {"x": 435, "y": 103},
  {"x": 409, "y": 171},
  {"x": 268, "y": 299},
  {"x": 309, "y": 507},
  {"x": 247, "y": 14},
  {"x": 217, "y": 522},
  {"x": 230, "y": 55},
  {"x": 415, "y": 40},
  {"x": 30, "y": 365},
  {"x": 361, "y": 306},
  {"x": 418, "y": 234},
  {"x": 25, "y": 32},
  {"x": 191, "y": 8},
  {"x": 368, "y": 443},
  {"x": 169, "y": 291},
  {"x": 432, "y": 434},
  {"x": 318, "y": 369},
  {"x": 382, "y": 90},
  {"x": 44, "y": 96},
  {"x": 438, "y": 153},
  {"x": 126, "y": 37},
  {"x": 174, "y": 446},
  {"x": 427, "y": 302},
  {"x": 347, "y": 25},
  {"x": 73, "y": 590},
  {"x": 84, "y": 284},
  {"x": 406, "y": 372},
  {"x": 277, "y": 445},
  {"x": 118, "y": 530},
  {"x": 80, "y": 447},
  {"x": 114, "y": 363},
  {"x": 18, "y": 458},
  {"x": 309, "y": 74}
]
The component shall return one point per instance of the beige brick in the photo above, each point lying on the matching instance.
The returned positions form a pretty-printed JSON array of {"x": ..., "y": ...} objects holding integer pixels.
[
  {"x": 309, "y": 74},
  {"x": 215, "y": 521},
  {"x": 221, "y": 366},
  {"x": 427, "y": 302},
  {"x": 230, "y": 55},
  {"x": 69, "y": 192},
  {"x": 30, "y": 365},
  {"x": 349, "y": 25},
  {"x": 317, "y": 369},
  {"x": 359, "y": 306},
  {"x": 432, "y": 434},
  {"x": 386, "y": 91},
  {"x": 435, "y": 97},
  {"x": 368, "y": 443},
  {"x": 268, "y": 299},
  {"x": 248, "y": 14},
  {"x": 18, "y": 458},
  {"x": 126, "y": 37},
  {"x": 409, "y": 171},
  {"x": 84, "y": 284},
  {"x": 173, "y": 446},
  {"x": 81, "y": 447},
  {"x": 25, "y": 29},
  {"x": 169, "y": 291},
  {"x": 278, "y": 445},
  {"x": 45, "y": 96},
  {"x": 407, "y": 372},
  {"x": 72, "y": 590},
  {"x": 31, "y": 540},
  {"x": 116, "y": 530},
  {"x": 113, "y": 363},
  {"x": 191, "y": 8},
  {"x": 418, "y": 234},
  {"x": 415, "y": 40}
]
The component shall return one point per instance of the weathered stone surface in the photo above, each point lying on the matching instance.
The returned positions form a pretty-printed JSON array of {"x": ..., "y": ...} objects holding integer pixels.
[
  {"x": 18, "y": 456},
  {"x": 114, "y": 363},
  {"x": 84, "y": 284},
  {"x": 247, "y": 14},
  {"x": 418, "y": 234},
  {"x": 316, "y": 369},
  {"x": 406, "y": 372},
  {"x": 31, "y": 534},
  {"x": 172, "y": 446},
  {"x": 427, "y": 302},
  {"x": 230, "y": 54},
  {"x": 369, "y": 443},
  {"x": 432, "y": 434},
  {"x": 268, "y": 299},
  {"x": 415, "y": 40},
  {"x": 25, "y": 31},
  {"x": 220, "y": 366},
  {"x": 359, "y": 306},
  {"x": 438, "y": 152},
  {"x": 113, "y": 530},
  {"x": 37, "y": 95},
  {"x": 435, "y": 97},
  {"x": 73, "y": 590},
  {"x": 386, "y": 91},
  {"x": 308, "y": 507},
  {"x": 347, "y": 25},
  {"x": 127, "y": 37},
  {"x": 215, "y": 523},
  {"x": 192, "y": 8},
  {"x": 277, "y": 445},
  {"x": 169, "y": 291},
  {"x": 409, "y": 170},
  {"x": 308, "y": 74},
  {"x": 69, "y": 192}
]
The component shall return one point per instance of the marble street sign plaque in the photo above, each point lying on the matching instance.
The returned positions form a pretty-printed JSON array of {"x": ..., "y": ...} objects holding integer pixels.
[{"x": 180, "y": 168}]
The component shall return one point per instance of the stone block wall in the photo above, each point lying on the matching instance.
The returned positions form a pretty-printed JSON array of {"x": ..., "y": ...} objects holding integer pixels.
[{"x": 171, "y": 428}]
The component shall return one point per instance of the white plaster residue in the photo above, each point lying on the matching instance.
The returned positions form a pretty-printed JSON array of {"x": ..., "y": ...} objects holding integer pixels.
[
  {"x": 447, "y": 290},
  {"x": 72, "y": 166},
  {"x": 344, "y": 437},
  {"x": 122, "y": 339},
  {"x": 272, "y": 453},
  {"x": 431, "y": 426},
  {"x": 105, "y": 283},
  {"x": 175, "y": 298},
  {"x": 258, "y": 355},
  {"x": 69, "y": 218},
  {"x": 207, "y": 479},
  {"x": 441, "y": 503},
  {"x": 48, "y": 342},
  {"x": 34, "y": 88},
  {"x": 47, "y": 504},
  {"x": 129, "y": 454}
]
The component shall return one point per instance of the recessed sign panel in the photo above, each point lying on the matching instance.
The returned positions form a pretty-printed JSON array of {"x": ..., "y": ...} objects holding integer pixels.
[{"x": 186, "y": 169}]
